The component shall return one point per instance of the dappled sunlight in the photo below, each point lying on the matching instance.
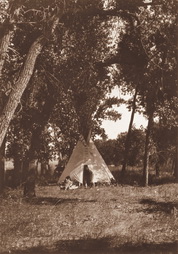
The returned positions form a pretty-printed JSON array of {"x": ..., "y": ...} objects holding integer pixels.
[{"x": 103, "y": 219}]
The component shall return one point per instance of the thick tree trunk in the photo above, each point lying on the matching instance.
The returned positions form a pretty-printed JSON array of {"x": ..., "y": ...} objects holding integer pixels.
[
  {"x": 4, "y": 45},
  {"x": 146, "y": 154},
  {"x": 19, "y": 87},
  {"x": 31, "y": 165},
  {"x": 35, "y": 141},
  {"x": 127, "y": 142},
  {"x": 29, "y": 185},
  {"x": 176, "y": 161},
  {"x": 25, "y": 75},
  {"x": 2, "y": 167}
]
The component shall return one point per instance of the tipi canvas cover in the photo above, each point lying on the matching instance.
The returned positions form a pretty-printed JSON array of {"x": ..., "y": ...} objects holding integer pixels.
[{"x": 86, "y": 154}]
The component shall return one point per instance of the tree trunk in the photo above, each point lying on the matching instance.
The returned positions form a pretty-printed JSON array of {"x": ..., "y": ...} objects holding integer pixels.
[
  {"x": 29, "y": 185},
  {"x": 19, "y": 87},
  {"x": 4, "y": 45},
  {"x": 16, "y": 181},
  {"x": 25, "y": 167},
  {"x": 44, "y": 168},
  {"x": 31, "y": 165},
  {"x": 176, "y": 161},
  {"x": 7, "y": 32},
  {"x": 2, "y": 167},
  {"x": 25, "y": 75},
  {"x": 127, "y": 142},
  {"x": 35, "y": 140},
  {"x": 146, "y": 155},
  {"x": 157, "y": 169}
]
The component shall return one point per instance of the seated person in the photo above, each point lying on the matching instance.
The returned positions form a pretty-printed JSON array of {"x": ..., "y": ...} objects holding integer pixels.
[{"x": 68, "y": 183}]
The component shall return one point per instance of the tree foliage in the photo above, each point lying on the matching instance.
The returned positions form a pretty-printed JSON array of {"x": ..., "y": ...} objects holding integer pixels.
[{"x": 66, "y": 51}]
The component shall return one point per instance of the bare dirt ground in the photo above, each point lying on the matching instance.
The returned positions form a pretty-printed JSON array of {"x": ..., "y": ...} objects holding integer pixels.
[{"x": 112, "y": 219}]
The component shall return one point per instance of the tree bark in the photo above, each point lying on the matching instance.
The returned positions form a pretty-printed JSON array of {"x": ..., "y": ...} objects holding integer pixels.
[
  {"x": 2, "y": 167},
  {"x": 29, "y": 185},
  {"x": 35, "y": 140},
  {"x": 19, "y": 87},
  {"x": 146, "y": 154},
  {"x": 127, "y": 142},
  {"x": 176, "y": 161},
  {"x": 7, "y": 32},
  {"x": 4, "y": 45},
  {"x": 31, "y": 165},
  {"x": 25, "y": 75}
]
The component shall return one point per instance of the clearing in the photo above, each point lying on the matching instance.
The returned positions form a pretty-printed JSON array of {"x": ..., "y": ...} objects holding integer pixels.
[{"x": 112, "y": 219}]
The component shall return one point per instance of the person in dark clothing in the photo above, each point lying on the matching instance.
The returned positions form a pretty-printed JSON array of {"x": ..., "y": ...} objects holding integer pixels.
[{"x": 87, "y": 176}]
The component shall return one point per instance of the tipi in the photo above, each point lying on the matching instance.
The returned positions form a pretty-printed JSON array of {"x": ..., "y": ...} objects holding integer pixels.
[{"x": 86, "y": 153}]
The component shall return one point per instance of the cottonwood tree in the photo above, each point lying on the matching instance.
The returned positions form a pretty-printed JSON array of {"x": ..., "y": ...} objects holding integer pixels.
[
  {"x": 154, "y": 49},
  {"x": 27, "y": 135},
  {"x": 46, "y": 18},
  {"x": 132, "y": 74},
  {"x": 49, "y": 73},
  {"x": 41, "y": 18},
  {"x": 154, "y": 90},
  {"x": 160, "y": 80},
  {"x": 8, "y": 15},
  {"x": 86, "y": 85}
]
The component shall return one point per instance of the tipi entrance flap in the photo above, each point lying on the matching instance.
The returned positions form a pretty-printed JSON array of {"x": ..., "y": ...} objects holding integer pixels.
[
  {"x": 86, "y": 155},
  {"x": 77, "y": 174}
]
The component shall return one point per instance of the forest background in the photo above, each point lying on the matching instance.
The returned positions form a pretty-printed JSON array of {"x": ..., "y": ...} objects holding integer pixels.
[{"x": 59, "y": 60}]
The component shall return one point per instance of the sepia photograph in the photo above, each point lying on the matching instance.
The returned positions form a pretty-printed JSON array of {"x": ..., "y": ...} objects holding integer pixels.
[{"x": 88, "y": 127}]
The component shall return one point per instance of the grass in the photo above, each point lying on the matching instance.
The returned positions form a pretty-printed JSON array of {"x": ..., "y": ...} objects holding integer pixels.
[{"x": 101, "y": 218}]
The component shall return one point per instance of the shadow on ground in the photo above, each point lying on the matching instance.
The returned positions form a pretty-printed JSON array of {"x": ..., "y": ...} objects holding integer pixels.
[
  {"x": 154, "y": 206},
  {"x": 134, "y": 178},
  {"x": 55, "y": 201},
  {"x": 99, "y": 246}
]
